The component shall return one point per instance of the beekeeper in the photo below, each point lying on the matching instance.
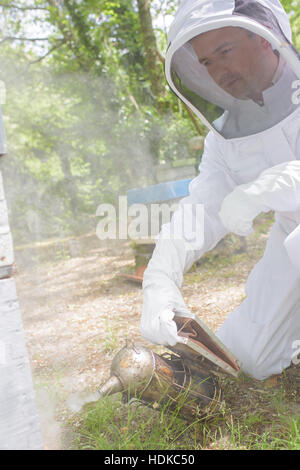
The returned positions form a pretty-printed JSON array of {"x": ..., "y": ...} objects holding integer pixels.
[{"x": 233, "y": 64}]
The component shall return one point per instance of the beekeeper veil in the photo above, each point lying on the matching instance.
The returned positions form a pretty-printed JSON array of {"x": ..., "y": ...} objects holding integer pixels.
[{"x": 232, "y": 62}]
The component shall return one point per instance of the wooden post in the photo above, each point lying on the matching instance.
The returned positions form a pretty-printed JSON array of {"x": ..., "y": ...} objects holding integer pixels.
[{"x": 19, "y": 421}]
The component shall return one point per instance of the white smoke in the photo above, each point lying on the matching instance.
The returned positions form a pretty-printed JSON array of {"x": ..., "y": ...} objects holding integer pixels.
[{"x": 76, "y": 401}]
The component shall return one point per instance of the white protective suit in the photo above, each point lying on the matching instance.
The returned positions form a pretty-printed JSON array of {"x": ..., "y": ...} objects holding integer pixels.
[{"x": 250, "y": 164}]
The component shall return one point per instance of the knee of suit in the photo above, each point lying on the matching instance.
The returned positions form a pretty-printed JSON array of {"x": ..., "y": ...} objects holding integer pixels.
[
  {"x": 256, "y": 370},
  {"x": 252, "y": 346}
]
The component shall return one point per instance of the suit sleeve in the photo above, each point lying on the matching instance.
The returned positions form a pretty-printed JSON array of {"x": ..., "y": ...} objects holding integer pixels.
[{"x": 194, "y": 229}]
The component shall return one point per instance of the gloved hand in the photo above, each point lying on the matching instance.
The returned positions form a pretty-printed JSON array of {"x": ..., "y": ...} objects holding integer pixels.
[
  {"x": 238, "y": 211},
  {"x": 162, "y": 298},
  {"x": 277, "y": 188},
  {"x": 162, "y": 329}
]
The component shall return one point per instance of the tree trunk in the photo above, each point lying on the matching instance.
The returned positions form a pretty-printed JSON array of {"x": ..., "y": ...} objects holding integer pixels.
[{"x": 153, "y": 65}]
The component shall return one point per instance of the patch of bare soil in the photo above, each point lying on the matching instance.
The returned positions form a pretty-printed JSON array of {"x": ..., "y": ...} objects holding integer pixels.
[{"x": 79, "y": 310}]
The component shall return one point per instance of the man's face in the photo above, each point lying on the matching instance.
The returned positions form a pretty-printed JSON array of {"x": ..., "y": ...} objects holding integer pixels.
[{"x": 239, "y": 62}]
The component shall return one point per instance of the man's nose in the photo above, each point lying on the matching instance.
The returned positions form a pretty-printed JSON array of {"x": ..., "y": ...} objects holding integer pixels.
[{"x": 218, "y": 71}]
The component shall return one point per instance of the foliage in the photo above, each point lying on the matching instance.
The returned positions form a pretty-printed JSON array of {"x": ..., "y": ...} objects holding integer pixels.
[
  {"x": 82, "y": 122},
  {"x": 83, "y": 119},
  {"x": 293, "y": 9}
]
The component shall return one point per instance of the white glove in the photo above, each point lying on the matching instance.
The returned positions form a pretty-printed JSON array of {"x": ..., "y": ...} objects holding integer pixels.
[
  {"x": 161, "y": 329},
  {"x": 277, "y": 188},
  {"x": 162, "y": 298},
  {"x": 238, "y": 211}
]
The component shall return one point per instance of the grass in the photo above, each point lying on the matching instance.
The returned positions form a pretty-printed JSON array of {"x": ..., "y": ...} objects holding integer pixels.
[
  {"x": 111, "y": 342},
  {"x": 111, "y": 425},
  {"x": 255, "y": 415}
]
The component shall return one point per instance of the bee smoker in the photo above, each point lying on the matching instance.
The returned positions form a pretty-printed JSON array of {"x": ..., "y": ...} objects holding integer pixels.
[
  {"x": 162, "y": 381},
  {"x": 186, "y": 379}
]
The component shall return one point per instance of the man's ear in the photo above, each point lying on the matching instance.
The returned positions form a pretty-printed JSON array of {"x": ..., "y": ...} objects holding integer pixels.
[
  {"x": 265, "y": 44},
  {"x": 263, "y": 41}
]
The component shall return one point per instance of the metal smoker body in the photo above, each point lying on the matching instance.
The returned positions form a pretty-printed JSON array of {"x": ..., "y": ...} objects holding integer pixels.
[
  {"x": 162, "y": 381},
  {"x": 186, "y": 379}
]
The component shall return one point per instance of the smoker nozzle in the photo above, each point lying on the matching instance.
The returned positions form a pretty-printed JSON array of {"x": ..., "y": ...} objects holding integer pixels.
[{"x": 112, "y": 385}]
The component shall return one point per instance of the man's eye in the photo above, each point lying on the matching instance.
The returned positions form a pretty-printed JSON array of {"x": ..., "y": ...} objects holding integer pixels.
[{"x": 225, "y": 51}]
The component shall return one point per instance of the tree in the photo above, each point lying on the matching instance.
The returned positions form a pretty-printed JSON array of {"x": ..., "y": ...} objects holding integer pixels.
[
  {"x": 153, "y": 64},
  {"x": 84, "y": 119}
]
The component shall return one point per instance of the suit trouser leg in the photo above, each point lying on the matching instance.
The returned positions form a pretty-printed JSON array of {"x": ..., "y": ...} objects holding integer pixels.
[{"x": 262, "y": 331}]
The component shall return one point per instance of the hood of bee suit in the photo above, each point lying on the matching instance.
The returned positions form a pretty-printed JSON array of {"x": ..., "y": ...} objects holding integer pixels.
[
  {"x": 3, "y": 148},
  {"x": 212, "y": 64}
]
